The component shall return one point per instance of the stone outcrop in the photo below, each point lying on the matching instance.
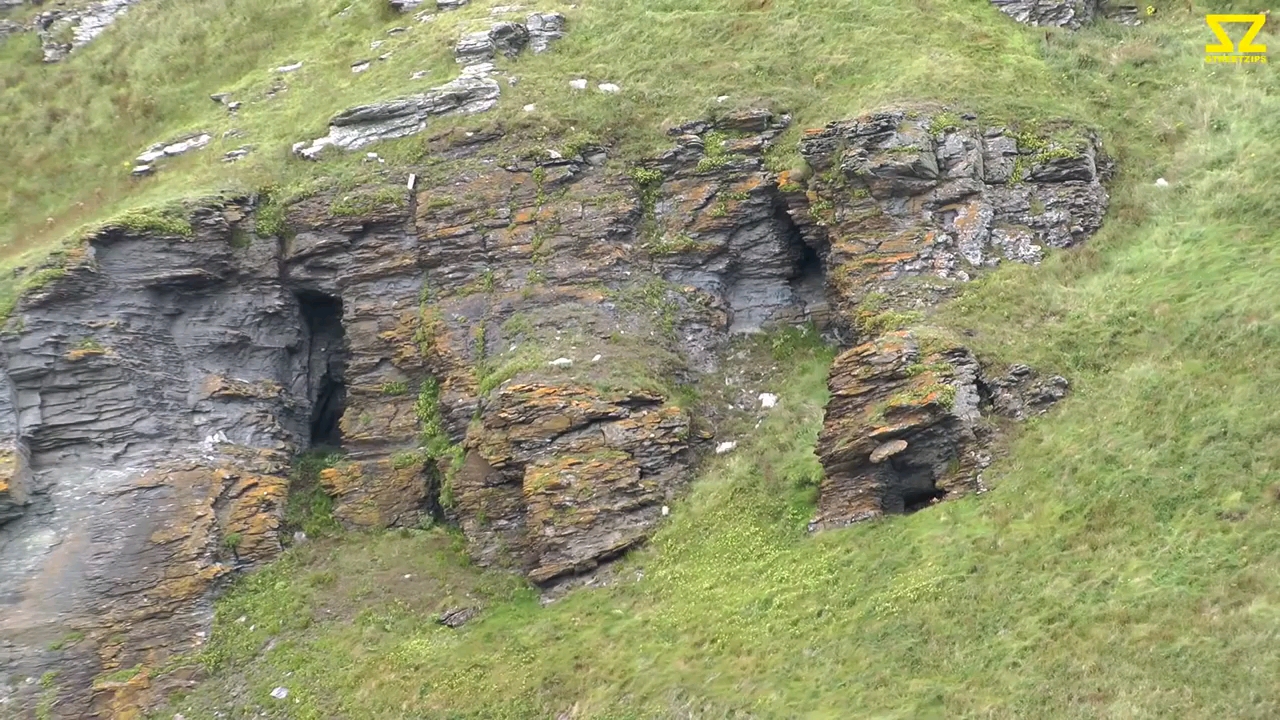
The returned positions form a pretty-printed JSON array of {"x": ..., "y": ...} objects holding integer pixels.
[
  {"x": 1069, "y": 14},
  {"x": 544, "y": 29},
  {"x": 909, "y": 424},
  {"x": 932, "y": 194},
  {"x": 899, "y": 199},
  {"x": 502, "y": 347},
  {"x": 571, "y": 475},
  {"x": 504, "y": 38},
  {"x": 7, "y": 28},
  {"x": 62, "y": 31},
  {"x": 474, "y": 91},
  {"x": 145, "y": 163}
]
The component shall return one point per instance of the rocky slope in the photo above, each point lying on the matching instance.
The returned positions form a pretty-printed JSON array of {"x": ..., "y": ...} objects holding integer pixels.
[{"x": 503, "y": 346}]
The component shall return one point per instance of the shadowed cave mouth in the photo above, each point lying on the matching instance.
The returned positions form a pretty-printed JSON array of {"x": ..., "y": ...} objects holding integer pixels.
[{"x": 326, "y": 365}]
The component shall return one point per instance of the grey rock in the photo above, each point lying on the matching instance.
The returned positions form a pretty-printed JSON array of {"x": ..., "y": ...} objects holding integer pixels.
[
  {"x": 142, "y": 170},
  {"x": 544, "y": 29},
  {"x": 1022, "y": 393},
  {"x": 172, "y": 148},
  {"x": 404, "y": 6},
  {"x": 444, "y": 5},
  {"x": 506, "y": 38},
  {"x": 954, "y": 202},
  {"x": 85, "y": 24},
  {"x": 236, "y": 154},
  {"x": 1070, "y": 14},
  {"x": 473, "y": 92},
  {"x": 457, "y": 617},
  {"x": 8, "y": 27}
]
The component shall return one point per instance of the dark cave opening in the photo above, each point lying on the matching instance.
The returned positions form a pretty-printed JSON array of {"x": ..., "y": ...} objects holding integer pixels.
[
  {"x": 326, "y": 365},
  {"x": 915, "y": 484},
  {"x": 808, "y": 272},
  {"x": 913, "y": 500}
]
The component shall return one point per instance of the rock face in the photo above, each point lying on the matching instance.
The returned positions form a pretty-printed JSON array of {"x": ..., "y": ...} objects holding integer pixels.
[
  {"x": 1069, "y": 14},
  {"x": 505, "y": 38},
  {"x": 473, "y": 92},
  {"x": 62, "y": 31},
  {"x": 908, "y": 426},
  {"x": 905, "y": 194},
  {"x": 906, "y": 203},
  {"x": 7, "y": 28},
  {"x": 502, "y": 347}
]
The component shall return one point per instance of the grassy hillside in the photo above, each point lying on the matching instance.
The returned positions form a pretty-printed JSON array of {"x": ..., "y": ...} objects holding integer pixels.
[{"x": 1124, "y": 563}]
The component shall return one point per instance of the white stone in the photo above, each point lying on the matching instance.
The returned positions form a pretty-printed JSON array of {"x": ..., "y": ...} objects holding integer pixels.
[
  {"x": 609, "y": 88},
  {"x": 1161, "y": 182},
  {"x": 530, "y": 107},
  {"x": 768, "y": 400},
  {"x": 289, "y": 68},
  {"x": 360, "y": 66},
  {"x": 725, "y": 447},
  {"x": 280, "y": 693},
  {"x": 665, "y": 511},
  {"x": 561, "y": 362},
  {"x": 722, "y": 98},
  {"x": 595, "y": 359},
  {"x": 579, "y": 84}
]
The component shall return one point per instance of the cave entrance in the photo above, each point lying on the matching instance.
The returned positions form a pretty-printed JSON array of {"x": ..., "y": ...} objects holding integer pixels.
[
  {"x": 326, "y": 365},
  {"x": 807, "y": 278}
]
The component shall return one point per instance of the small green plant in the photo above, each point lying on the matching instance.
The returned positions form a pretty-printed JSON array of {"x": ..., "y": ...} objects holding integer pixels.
[
  {"x": 715, "y": 153},
  {"x": 943, "y": 122},
  {"x": 369, "y": 201},
  {"x": 67, "y": 640},
  {"x": 308, "y": 507},
  {"x": 672, "y": 245},
  {"x": 121, "y": 675},
  {"x": 871, "y": 318},
  {"x": 240, "y": 238},
  {"x": 646, "y": 177},
  {"x": 170, "y": 220},
  {"x": 396, "y": 387},
  {"x": 405, "y": 459},
  {"x": 232, "y": 541}
]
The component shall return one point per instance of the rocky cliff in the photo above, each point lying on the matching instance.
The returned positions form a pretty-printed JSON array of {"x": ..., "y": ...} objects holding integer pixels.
[{"x": 504, "y": 342}]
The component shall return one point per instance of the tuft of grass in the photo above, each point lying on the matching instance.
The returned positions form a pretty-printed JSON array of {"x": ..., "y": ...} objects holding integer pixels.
[{"x": 308, "y": 507}]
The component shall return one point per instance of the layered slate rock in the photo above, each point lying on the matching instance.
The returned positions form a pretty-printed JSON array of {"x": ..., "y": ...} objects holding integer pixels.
[
  {"x": 82, "y": 24},
  {"x": 474, "y": 91},
  {"x": 931, "y": 194},
  {"x": 504, "y": 38},
  {"x": 571, "y": 475},
  {"x": 502, "y": 346},
  {"x": 908, "y": 202},
  {"x": 151, "y": 404},
  {"x": 1069, "y": 14},
  {"x": 909, "y": 425}
]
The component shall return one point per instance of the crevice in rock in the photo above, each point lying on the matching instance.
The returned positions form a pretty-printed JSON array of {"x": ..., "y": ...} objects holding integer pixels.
[
  {"x": 809, "y": 278},
  {"x": 326, "y": 365}
]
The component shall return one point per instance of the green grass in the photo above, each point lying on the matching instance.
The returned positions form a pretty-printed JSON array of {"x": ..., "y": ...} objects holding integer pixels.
[
  {"x": 1122, "y": 565},
  {"x": 308, "y": 508}
]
